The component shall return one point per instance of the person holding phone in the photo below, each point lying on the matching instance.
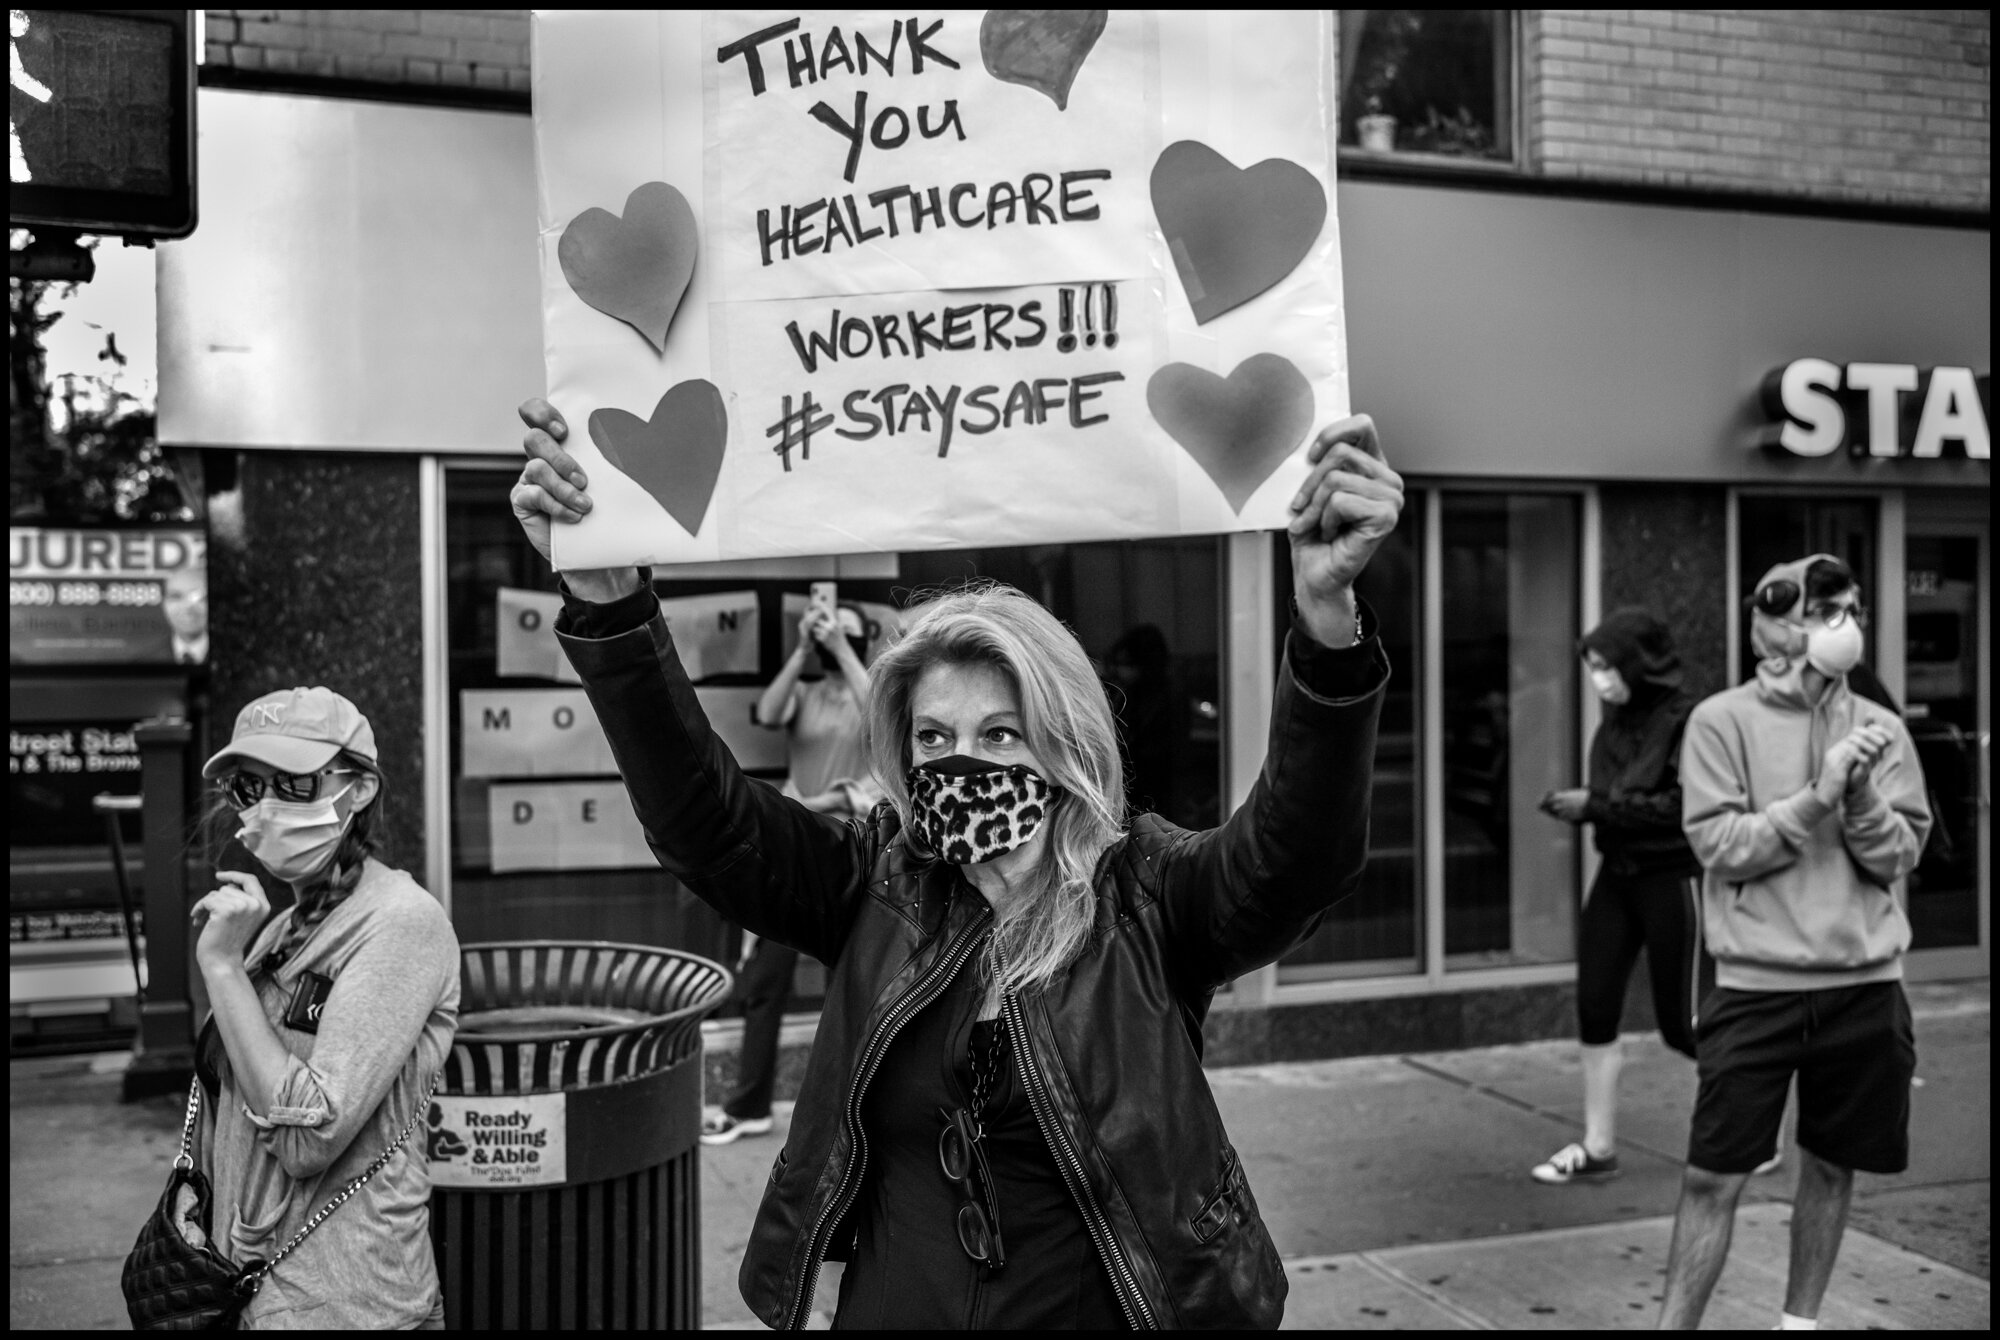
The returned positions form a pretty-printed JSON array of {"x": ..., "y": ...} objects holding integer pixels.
[
  {"x": 1004, "y": 1120},
  {"x": 825, "y": 722},
  {"x": 1647, "y": 892}
]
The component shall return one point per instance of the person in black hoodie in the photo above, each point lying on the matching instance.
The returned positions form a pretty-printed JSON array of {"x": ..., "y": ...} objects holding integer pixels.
[{"x": 1648, "y": 887}]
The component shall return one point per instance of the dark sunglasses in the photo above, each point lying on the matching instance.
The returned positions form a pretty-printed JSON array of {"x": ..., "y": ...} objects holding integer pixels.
[
  {"x": 1777, "y": 599},
  {"x": 962, "y": 1156},
  {"x": 245, "y": 789}
]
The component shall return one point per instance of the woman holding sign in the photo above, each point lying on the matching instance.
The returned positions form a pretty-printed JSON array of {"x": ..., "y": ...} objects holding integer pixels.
[{"x": 1004, "y": 1120}]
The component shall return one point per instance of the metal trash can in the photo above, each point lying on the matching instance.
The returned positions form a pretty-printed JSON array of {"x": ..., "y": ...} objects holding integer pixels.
[{"x": 562, "y": 1143}]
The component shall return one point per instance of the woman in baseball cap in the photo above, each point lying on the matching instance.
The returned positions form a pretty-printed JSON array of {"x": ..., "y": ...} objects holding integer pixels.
[{"x": 331, "y": 1021}]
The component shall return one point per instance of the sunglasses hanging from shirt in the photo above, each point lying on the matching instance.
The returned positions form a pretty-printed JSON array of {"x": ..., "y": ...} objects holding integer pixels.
[{"x": 962, "y": 1155}]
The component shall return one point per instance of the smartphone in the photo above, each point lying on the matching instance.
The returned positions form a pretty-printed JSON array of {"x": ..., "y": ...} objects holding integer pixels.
[{"x": 823, "y": 597}]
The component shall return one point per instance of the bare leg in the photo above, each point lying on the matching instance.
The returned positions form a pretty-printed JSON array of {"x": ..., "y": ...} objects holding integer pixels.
[
  {"x": 1600, "y": 1098},
  {"x": 1819, "y": 1218},
  {"x": 1702, "y": 1227}
]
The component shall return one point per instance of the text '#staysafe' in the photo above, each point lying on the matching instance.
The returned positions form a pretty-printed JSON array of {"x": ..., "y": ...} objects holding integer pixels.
[
  {"x": 858, "y": 128},
  {"x": 1074, "y": 319}
]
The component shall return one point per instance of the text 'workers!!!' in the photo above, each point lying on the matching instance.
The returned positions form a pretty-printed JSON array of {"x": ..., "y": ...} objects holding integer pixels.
[
  {"x": 810, "y": 227},
  {"x": 981, "y": 327}
]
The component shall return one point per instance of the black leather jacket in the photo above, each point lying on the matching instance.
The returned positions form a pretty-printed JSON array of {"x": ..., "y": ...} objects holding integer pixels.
[{"x": 1111, "y": 1056}]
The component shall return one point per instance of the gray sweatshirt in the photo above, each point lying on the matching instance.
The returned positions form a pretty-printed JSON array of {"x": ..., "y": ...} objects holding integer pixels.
[
  {"x": 1798, "y": 895},
  {"x": 350, "y": 1089}
]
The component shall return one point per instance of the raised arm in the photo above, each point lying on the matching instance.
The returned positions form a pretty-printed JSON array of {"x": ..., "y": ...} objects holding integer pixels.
[
  {"x": 851, "y": 668},
  {"x": 1240, "y": 895},
  {"x": 774, "y": 708},
  {"x": 763, "y": 861}
]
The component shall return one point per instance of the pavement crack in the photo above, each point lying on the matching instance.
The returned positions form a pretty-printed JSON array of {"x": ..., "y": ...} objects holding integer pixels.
[
  {"x": 1521, "y": 1104},
  {"x": 1464, "y": 1316}
]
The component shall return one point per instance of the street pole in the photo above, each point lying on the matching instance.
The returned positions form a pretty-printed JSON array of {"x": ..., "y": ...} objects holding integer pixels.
[{"x": 164, "y": 1058}]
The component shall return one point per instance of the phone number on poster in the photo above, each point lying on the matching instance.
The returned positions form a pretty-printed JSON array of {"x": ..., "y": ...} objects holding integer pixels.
[{"x": 83, "y": 593}]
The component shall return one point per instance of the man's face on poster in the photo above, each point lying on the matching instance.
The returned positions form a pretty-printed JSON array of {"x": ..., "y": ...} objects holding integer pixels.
[{"x": 187, "y": 604}]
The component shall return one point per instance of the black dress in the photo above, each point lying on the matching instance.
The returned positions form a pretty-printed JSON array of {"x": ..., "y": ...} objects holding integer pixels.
[{"x": 908, "y": 1269}]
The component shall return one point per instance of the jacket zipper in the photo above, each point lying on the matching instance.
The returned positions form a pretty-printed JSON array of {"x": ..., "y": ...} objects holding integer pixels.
[
  {"x": 1124, "y": 1283},
  {"x": 923, "y": 993}
]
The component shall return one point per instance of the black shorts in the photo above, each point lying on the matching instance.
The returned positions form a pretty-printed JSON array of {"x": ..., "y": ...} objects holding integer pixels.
[{"x": 1854, "y": 1053}]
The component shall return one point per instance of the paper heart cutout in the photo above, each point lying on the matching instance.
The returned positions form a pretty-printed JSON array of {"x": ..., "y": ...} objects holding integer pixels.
[
  {"x": 675, "y": 455},
  {"x": 1233, "y": 231},
  {"x": 635, "y": 267},
  {"x": 1040, "y": 49},
  {"x": 1238, "y": 429}
]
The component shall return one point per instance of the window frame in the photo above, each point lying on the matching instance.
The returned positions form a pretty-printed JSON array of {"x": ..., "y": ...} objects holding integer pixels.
[
  {"x": 1298, "y": 985},
  {"x": 1365, "y": 162}
]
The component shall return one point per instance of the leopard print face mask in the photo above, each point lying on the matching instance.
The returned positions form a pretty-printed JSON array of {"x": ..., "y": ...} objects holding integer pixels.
[{"x": 969, "y": 811}]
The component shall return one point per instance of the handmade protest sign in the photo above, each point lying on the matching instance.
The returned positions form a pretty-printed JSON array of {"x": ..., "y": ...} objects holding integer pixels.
[{"x": 840, "y": 281}]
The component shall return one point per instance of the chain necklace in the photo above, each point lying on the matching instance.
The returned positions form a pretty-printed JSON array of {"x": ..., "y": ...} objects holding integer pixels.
[{"x": 986, "y": 1064}]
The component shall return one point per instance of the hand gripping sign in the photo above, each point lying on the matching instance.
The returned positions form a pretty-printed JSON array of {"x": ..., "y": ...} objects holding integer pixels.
[{"x": 838, "y": 281}]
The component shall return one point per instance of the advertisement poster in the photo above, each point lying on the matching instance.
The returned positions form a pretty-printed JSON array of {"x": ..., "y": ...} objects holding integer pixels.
[
  {"x": 846, "y": 281},
  {"x": 107, "y": 597},
  {"x": 54, "y": 768},
  {"x": 485, "y": 1143}
]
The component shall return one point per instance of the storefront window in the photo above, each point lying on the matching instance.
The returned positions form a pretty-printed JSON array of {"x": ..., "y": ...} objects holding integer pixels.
[
  {"x": 530, "y": 778},
  {"x": 1944, "y": 612},
  {"x": 1510, "y": 672},
  {"x": 543, "y": 840},
  {"x": 1437, "y": 82},
  {"x": 1378, "y": 929}
]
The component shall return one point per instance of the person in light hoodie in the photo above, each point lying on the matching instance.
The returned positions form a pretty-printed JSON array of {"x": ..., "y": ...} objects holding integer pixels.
[{"x": 1805, "y": 804}]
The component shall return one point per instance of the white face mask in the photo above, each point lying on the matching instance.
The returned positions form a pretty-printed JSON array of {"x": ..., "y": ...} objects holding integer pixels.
[
  {"x": 293, "y": 839},
  {"x": 1834, "y": 651},
  {"x": 1610, "y": 686}
]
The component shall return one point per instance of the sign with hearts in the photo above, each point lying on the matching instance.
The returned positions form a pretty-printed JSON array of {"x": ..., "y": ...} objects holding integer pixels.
[
  {"x": 943, "y": 278},
  {"x": 1040, "y": 49},
  {"x": 1233, "y": 232},
  {"x": 1238, "y": 428},
  {"x": 676, "y": 454},
  {"x": 635, "y": 266}
]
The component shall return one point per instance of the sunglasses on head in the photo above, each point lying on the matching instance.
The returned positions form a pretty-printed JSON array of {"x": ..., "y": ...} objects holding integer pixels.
[
  {"x": 245, "y": 789},
  {"x": 1777, "y": 600}
]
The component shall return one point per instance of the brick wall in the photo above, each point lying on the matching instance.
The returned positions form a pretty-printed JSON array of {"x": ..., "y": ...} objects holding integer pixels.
[
  {"x": 1889, "y": 106},
  {"x": 1882, "y": 106},
  {"x": 465, "y": 48}
]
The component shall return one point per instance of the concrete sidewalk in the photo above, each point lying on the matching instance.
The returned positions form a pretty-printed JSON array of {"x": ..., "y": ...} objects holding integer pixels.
[{"x": 1396, "y": 1188}]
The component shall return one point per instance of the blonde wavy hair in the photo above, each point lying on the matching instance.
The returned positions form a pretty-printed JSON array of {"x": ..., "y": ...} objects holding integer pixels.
[{"x": 1067, "y": 722}]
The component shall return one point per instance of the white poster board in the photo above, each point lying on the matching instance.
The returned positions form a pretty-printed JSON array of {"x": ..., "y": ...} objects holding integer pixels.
[{"x": 868, "y": 281}]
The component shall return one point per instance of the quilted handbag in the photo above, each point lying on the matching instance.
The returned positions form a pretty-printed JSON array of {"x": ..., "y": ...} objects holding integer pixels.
[{"x": 173, "y": 1283}]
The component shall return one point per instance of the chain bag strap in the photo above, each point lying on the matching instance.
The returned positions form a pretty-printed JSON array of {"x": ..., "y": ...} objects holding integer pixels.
[
  {"x": 171, "y": 1283},
  {"x": 340, "y": 1198}
]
